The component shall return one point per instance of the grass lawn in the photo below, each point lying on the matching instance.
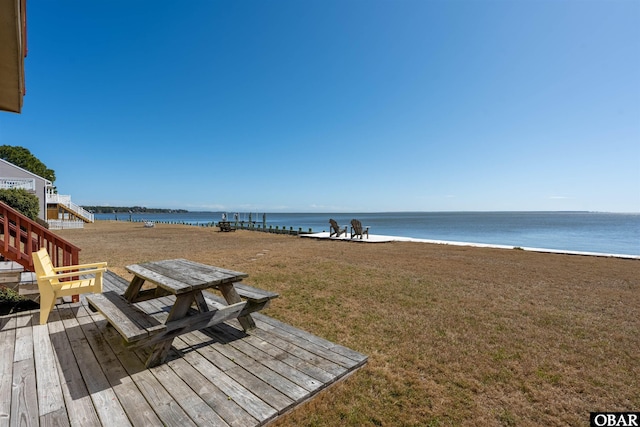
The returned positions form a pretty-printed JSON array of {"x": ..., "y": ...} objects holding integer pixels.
[{"x": 455, "y": 335}]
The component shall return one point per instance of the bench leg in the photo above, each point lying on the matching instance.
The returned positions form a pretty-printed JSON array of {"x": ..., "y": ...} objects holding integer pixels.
[
  {"x": 231, "y": 296},
  {"x": 178, "y": 311}
]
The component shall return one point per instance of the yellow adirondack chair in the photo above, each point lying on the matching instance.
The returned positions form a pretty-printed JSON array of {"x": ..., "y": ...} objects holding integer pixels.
[{"x": 50, "y": 286}]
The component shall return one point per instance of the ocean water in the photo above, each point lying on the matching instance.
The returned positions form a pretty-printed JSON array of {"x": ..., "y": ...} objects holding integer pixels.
[{"x": 610, "y": 233}]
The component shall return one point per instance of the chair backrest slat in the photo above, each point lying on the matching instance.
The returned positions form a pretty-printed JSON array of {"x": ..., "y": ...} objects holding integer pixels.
[{"x": 43, "y": 265}]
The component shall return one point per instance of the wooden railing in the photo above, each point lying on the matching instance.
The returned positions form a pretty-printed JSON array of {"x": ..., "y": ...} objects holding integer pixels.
[{"x": 20, "y": 236}]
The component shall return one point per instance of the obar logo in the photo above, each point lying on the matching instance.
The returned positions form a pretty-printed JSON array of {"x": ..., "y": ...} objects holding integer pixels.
[{"x": 615, "y": 419}]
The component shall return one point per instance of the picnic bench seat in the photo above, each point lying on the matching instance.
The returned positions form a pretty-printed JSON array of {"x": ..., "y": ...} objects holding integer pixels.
[
  {"x": 254, "y": 294},
  {"x": 257, "y": 299},
  {"x": 130, "y": 321}
]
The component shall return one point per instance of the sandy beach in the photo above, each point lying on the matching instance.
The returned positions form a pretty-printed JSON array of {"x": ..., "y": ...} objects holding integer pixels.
[
  {"x": 455, "y": 335},
  {"x": 377, "y": 238}
]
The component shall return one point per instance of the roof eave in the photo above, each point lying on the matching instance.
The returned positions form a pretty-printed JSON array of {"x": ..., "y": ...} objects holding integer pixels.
[{"x": 12, "y": 54}]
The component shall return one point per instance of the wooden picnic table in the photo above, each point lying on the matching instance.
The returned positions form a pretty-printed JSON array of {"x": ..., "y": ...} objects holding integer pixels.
[
  {"x": 226, "y": 226},
  {"x": 186, "y": 280}
]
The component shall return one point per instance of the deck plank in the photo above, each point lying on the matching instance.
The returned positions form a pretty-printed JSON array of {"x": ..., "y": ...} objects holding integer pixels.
[
  {"x": 135, "y": 405},
  {"x": 311, "y": 346},
  {"x": 313, "y": 371},
  {"x": 191, "y": 402},
  {"x": 76, "y": 396},
  {"x": 50, "y": 397},
  {"x": 251, "y": 353},
  {"x": 24, "y": 341},
  {"x": 24, "y": 402},
  {"x": 105, "y": 401},
  {"x": 228, "y": 410},
  {"x": 303, "y": 373},
  {"x": 167, "y": 409},
  {"x": 298, "y": 350},
  {"x": 259, "y": 370},
  {"x": 57, "y": 418},
  {"x": 244, "y": 371},
  {"x": 306, "y": 336},
  {"x": 234, "y": 390},
  {"x": 7, "y": 338}
]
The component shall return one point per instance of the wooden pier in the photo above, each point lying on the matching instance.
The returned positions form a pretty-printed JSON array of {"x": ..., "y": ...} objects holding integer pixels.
[{"x": 76, "y": 371}]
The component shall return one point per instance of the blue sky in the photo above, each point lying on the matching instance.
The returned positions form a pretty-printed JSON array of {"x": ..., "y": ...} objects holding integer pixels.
[{"x": 336, "y": 106}]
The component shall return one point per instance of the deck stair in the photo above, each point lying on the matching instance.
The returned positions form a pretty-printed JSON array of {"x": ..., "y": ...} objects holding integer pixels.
[
  {"x": 13, "y": 276},
  {"x": 64, "y": 203},
  {"x": 10, "y": 272},
  {"x": 79, "y": 212}
]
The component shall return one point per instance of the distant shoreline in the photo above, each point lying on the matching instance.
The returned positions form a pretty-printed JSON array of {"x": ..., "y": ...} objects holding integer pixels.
[{"x": 131, "y": 210}]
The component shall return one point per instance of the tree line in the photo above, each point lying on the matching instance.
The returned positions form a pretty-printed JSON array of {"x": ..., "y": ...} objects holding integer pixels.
[
  {"x": 132, "y": 209},
  {"x": 23, "y": 158},
  {"x": 20, "y": 199}
]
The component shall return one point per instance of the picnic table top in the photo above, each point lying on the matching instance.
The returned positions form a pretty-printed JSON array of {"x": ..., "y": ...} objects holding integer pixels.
[{"x": 180, "y": 275}]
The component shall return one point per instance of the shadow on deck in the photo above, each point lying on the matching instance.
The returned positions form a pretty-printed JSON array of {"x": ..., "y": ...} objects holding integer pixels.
[{"x": 76, "y": 371}]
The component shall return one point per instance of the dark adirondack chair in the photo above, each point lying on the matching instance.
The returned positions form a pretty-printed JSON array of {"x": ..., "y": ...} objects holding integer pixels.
[
  {"x": 335, "y": 229},
  {"x": 358, "y": 230}
]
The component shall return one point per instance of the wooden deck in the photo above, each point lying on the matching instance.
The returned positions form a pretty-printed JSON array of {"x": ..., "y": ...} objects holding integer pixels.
[{"x": 76, "y": 371}]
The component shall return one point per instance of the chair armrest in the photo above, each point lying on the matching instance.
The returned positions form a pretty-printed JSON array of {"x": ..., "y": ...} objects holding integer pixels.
[
  {"x": 60, "y": 285},
  {"x": 75, "y": 267},
  {"x": 73, "y": 274}
]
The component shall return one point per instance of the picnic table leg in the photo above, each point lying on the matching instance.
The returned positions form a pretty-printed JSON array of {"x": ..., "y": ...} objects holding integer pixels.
[
  {"x": 134, "y": 288},
  {"x": 231, "y": 296},
  {"x": 201, "y": 303},
  {"x": 178, "y": 311}
]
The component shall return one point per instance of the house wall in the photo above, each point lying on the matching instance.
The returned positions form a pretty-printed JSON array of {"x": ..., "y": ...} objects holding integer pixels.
[{"x": 8, "y": 170}]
